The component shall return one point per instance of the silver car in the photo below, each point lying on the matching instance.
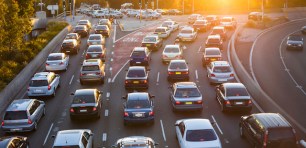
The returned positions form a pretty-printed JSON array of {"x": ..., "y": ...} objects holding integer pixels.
[
  {"x": 92, "y": 70},
  {"x": 95, "y": 39},
  {"x": 44, "y": 84},
  {"x": 135, "y": 141},
  {"x": 80, "y": 138},
  {"x": 57, "y": 61},
  {"x": 220, "y": 72},
  {"x": 187, "y": 34},
  {"x": 172, "y": 52},
  {"x": 23, "y": 115},
  {"x": 162, "y": 32}
]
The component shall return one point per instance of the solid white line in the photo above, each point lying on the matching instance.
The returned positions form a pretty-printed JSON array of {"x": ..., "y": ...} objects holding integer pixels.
[
  {"x": 113, "y": 45},
  {"x": 114, "y": 37},
  {"x": 157, "y": 78},
  {"x": 107, "y": 94},
  {"x": 217, "y": 124},
  {"x": 48, "y": 134},
  {"x": 109, "y": 80},
  {"x": 104, "y": 137},
  {"x": 120, "y": 70},
  {"x": 106, "y": 113},
  {"x": 71, "y": 79},
  {"x": 196, "y": 73},
  {"x": 111, "y": 59},
  {"x": 163, "y": 131},
  {"x": 112, "y": 52},
  {"x": 200, "y": 49}
]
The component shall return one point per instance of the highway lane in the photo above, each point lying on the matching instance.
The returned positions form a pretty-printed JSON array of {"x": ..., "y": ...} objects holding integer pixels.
[{"x": 273, "y": 76}]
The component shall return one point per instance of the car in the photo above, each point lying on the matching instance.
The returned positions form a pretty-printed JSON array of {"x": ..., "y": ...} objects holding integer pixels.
[
  {"x": 105, "y": 22},
  {"x": 178, "y": 70},
  {"x": 174, "y": 12},
  {"x": 138, "y": 108},
  {"x": 103, "y": 30},
  {"x": 80, "y": 138},
  {"x": 255, "y": 16},
  {"x": 214, "y": 20},
  {"x": 162, "y": 32},
  {"x": 303, "y": 30},
  {"x": 220, "y": 72},
  {"x": 219, "y": 30},
  {"x": 228, "y": 22},
  {"x": 214, "y": 41},
  {"x": 171, "y": 25},
  {"x": 193, "y": 17},
  {"x": 95, "y": 39},
  {"x": 137, "y": 77},
  {"x": 152, "y": 42},
  {"x": 14, "y": 142},
  {"x": 135, "y": 141},
  {"x": 201, "y": 25},
  {"x": 196, "y": 132},
  {"x": 268, "y": 130},
  {"x": 92, "y": 70},
  {"x": 172, "y": 52},
  {"x": 57, "y": 61},
  {"x": 132, "y": 13},
  {"x": 140, "y": 56},
  {"x": 116, "y": 14},
  {"x": 185, "y": 96},
  {"x": 233, "y": 97},
  {"x": 85, "y": 22},
  {"x": 295, "y": 42},
  {"x": 75, "y": 36},
  {"x": 23, "y": 115},
  {"x": 161, "y": 11},
  {"x": 211, "y": 54},
  {"x": 44, "y": 84},
  {"x": 82, "y": 30},
  {"x": 70, "y": 46},
  {"x": 187, "y": 34},
  {"x": 155, "y": 15},
  {"x": 86, "y": 103},
  {"x": 96, "y": 52}
]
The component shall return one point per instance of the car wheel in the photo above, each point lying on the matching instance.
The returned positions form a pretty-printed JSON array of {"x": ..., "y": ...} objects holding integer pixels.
[
  {"x": 35, "y": 126},
  {"x": 222, "y": 108},
  {"x": 44, "y": 112},
  {"x": 102, "y": 81},
  {"x": 53, "y": 95},
  {"x": 174, "y": 110},
  {"x": 241, "y": 132}
]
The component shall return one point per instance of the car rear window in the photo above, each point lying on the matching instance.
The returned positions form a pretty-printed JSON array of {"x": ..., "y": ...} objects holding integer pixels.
[
  {"x": 186, "y": 31},
  {"x": 70, "y": 36},
  {"x": 138, "y": 54},
  {"x": 209, "y": 18},
  {"x": 279, "y": 137},
  {"x": 221, "y": 69},
  {"x": 90, "y": 68},
  {"x": 94, "y": 49},
  {"x": 213, "y": 40},
  {"x": 101, "y": 27},
  {"x": 160, "y": 30},
  {"x": 178, "y": 65},
  {"x": 134, "y": 104},
  {"x": 226, "y": 20},
  {"x": 15, "y": 115},
  {"x": 212, "y": 52},
  {"x": 187, "y": 92},
  {"x": 54, "y": 58},
  {"x": 80, "y": 99},
  {"x": 80, "y": 28},
  {"x": 236, "y": 92},
  {"x": 149, "y": 39},
  {"x": 82, "y": 22},
  {"x": 38, "y": 83},
  {"x": 166, "y": 24},
  {"x": 136, "y": 73},
  {"x": 200, "y": 135},
  {"x": 172, "y": 50},
  {"x": 295, "y": 38},
  {"x": 94, "y": 38}
]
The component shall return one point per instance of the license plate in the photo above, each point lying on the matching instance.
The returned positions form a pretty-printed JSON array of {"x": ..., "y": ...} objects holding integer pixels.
[
  {"x": 159, "y": 33},
  {"x": 67, "y": 50},
  {"x": 238, "y": 103},
  {"x": 178, "y": 73},
  {"x": 95, "y": 43},
  {"x": 38, "y": 91},
  {"x": 213, "y": 59},
  {"x": 138, "y": 62},
  {"x": 90, "y": 74},
  {"x": 135, "y": 82},
  {"x": 15, "y": 129},
  {"x": 94, "y": 55},
  {"x": 138, "y": 115},
  {"x": 222, "y": 80},
  {"x": 83, "y": 110},
  {"x": 54, "y": 64},
  {"x": 188, "y": 103},
  {"x": 148, "y": 44}
]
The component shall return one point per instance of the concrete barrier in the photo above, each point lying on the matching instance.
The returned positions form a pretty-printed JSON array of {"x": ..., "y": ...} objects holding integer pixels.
[{"x": 20, "y": 82}]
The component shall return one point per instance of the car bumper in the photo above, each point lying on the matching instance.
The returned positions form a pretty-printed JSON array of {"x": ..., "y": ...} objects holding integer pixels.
[
  {"x": 294, "y": 47},
  {"x": 221, "y": 80},
  {"x": 135, "y": 86},
  {"x": 138, "y": 120},
  {"x": 56, "y": 68},
  {"x": 98, "y": 78},
  {"x": 13, "y": 129},
  {"x": 188, "y": 107},
  {"x": 48, "y": 93},
  {"x": 178, "y": 77},
  {"x": 84, "y": 115},
  {"x": 238, "y": 108},
  {"x": 68, "y": 50}
]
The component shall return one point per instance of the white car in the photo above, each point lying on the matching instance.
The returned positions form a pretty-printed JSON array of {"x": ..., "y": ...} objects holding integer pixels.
[
  {"x": 57, "y": 61},
  {"x": 172, "y": 25},
  {"x": 132, "y": 13},
  {"x": 228, "y": 22},
  {"x": 193, "y": 17},
  {"x": 162, "y": 32},
  {"x": 82, "y": 138},
  {"x": 187, "y": 34},
  {"x": 172, "y": 52},
  {"x": 98, "y": 14},
  {"x": 95, "y": 39},
  {"x": 195, "y": 133},
  {"x": 220, "y": 72}
]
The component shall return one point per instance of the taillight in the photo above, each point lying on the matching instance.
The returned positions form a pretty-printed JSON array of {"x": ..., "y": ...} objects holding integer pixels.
[
  {"x": 61, "y": 63},
  {"x": 82, "y": 74},
  {"x": 47, "y": 64},
  {"x": 232, "y": 75},
  {"x": 29, "y": 121},
  {"x": 206, "y": 58},
  {"x": 186, "y": 72},
  {"x": 177, "y": 102},
  {"x": 212, "y": 75},
  {"x": 170, "y": 73},
  {"x": 126, "y": 81},
  {"x": 28, "y": 88},
  {"x": 145, "y": 81},
  {"x": 87, "y": 56},
  {"x": 164, "y": 56},
  {"x": 102, "y": 55},
  {"x": 71, "y": 110},
  {"x": 199, "y": 102},
  {"x": 227, "y": 102},
  {"x": 250, "y": 102},
  {"x": 94, "y": 109},
  {"x": 97, "y": 73},
  {"x": 219, "y": 59},
  {"x": 151, "y": 113},
  {"x": 265, "y": 139},
  {"x": 145, "y": 58},
  {"x": 2, "y": 123},
  {"x": 126, "y": 114},
  {"x": 49, "y": 87}
]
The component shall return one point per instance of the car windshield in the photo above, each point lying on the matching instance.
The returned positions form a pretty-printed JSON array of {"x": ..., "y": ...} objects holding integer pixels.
[
  {"x": 212, "y": 52},
  {"x": 90, "y": 68},
  {"x": 134, "y": 104},
  {"x": 178, "y": 65},
  {"x": 149, "y": 39},
  {"x": 200, "y": 135},
  {"x": 38, "y": 83},
  {"x": 281, "y": 136},
  {"x": 138, "y": 54},
  {"x": 15, "y": 115},
  {"x": 136, "y": 73},
  {"x": 186, "y": 31},
  {"x": 54, "y": 58},
  {"x": 217, "y": 31},
  {"x": 236, "y": 92},
  {"x": 213, "y": 40},
  {"x": 226, "y": 20},
  {"x": 80, "y": 99},
  {"x": 70, "y": 36},
  {"x": 94, "y": 49},
  {"x": 171, "y": 50},
  {"x": 101, "y": 27},
  {"x": 160, "y": 30},
  {"x": 187, "y": 92},
  {"x": 94, "y": 38},
  {"x": 222, "y": 69},
  {"x": 295, "y": 38}
]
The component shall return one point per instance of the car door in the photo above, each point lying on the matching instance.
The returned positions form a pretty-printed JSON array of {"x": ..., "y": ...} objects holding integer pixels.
[
  {"x": 35, "y": 113},
  {"x": 250, "y": 131},
  {"x": 180, "y": 130}
]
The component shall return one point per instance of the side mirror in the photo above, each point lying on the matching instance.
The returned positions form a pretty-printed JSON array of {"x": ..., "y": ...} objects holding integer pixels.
[{"x": 72, "y": 94}]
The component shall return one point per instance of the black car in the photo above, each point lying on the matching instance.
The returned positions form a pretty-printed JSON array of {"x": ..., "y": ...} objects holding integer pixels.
[
  {"x": 214, "y": 41},
  {"x": 86, "y": 102},
  {"x": 14, "y": 142},
  {"x": 140, "y": 56},
  {"x": 74, "y": 36},
  {"x": 295, "y": 42},
  {"x": 82, "y": 30},
  {"x": 138, "y": 108},
  {"x": 70, "y": 46},
  {"x": 96, "y": 52},
  {"x": 136, "y": 78},
  {"x": 153, "y": 42},
  {"x": 233, "y": 96},
  {"x": 178, "y": 70},
  {"x": 102, "y": 29}
]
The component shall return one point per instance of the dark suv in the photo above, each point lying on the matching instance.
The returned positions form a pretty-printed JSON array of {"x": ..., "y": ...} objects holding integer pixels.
[
  {"x": 140, "y": 56},
  {"x": 270, "y": 130},
  {"x": 70, "y": 46},
  {"x": 136, "y": 78},
  {"x": 214, "y": 41}
]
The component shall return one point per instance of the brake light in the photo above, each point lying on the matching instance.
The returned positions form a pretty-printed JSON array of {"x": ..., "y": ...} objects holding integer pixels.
[
  {"x": 82, "y": 74},
  {"x": 2, "y": 123},
  {"x": 250, "y": 102},
  {"x": 126, "y": 81},
  {"x": 126, "y": 114},
  {"x": 145, "y": 58},
  {"x": 47, "y": 64},
  {"x": 232, "y": 75},
  {"x": 219, "y": 59},
  {"x": 87, "y": 56},
  {"x": 145, "y": 81},
  {"x": 164, "y": 56},
  {"x": 170, "y": 73},
  {"x": 151, "y": 113},
  {"x": 206, "y": 58},
  {"x": 265, "y": 139},
  {"x": 178, "y": 56},
  {"x": 97, "y": 73},
  {"x": 61, "y": 63},
  {"x": 227, "y": 102},
  {"x": 71, "y": 110},
  {"x": 102, "y": 55},
  {"x": 199, "y": 102},
  {"x": 177, "y": 102},
  {"x": 29, "y": 121},
  {"x": 212, "y": 75},
  {"x": 49, "y": 87},
  {"x": 94, "y": 109},
  {"x": 186, "y": 72}
]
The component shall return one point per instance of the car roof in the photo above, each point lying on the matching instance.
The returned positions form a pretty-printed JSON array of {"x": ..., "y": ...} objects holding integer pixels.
[
  {"x": 94, "y": 46},
  {"x": 19, "y": 105},
  {"x": 271, "y": 120},
  {"x": 172, "y": 46},
  {"x": 227, "y": 17},
  {"x": 95, "y": 35},
  {"x": 139, "y": 48},
  {"x": 233, "y": 85},
  {"x": 69, "y": 40},
  {"x": 41, "y": 76},
  {"x": 56, "y": 54},
  {"x": 161, "y": 28},
  {"x": 84, "y": 26},
  {"x": 220, "y": 63},
  {"x": 218, "y": 27},
  {"x": 84, "y": 20},
  {"x": 85, "y": 91},
  {"x": 137, "y": 68},
  {"x": 185, "y": 85},
  {"x": 138, "y": 96},
  {"x": 193, "y": 124},
  {"x": 68, "y": 137},
  {"x": 91, "y": 62},
  {"x": 151, "y": 35},
  {"x": 134, "y": 140}
]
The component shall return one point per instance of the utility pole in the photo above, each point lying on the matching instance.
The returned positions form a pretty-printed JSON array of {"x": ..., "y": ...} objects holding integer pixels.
[
  {"x": 41, "y": 5},
  {"x": 192, "y": 6},
  {"x": 262, "y": 9},
  {"x": 183, "y": 7},
  {"x": 156, "y": 4}
]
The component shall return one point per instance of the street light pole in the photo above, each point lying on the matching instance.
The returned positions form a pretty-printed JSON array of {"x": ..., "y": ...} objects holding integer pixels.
[
  {"x": 40, "y": 5},
  {"x": 262, "y": 8},
  {"x": 183, "y": 7},
  {"x": 156, "y": 4},
  {"x": 192, "y": 6}
]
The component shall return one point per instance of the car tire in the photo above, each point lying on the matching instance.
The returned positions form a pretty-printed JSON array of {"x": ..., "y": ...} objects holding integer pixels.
[
  {"x": 44, "y": 112},
  {"x": 102, "y": 81},
  {"x": 241, "y": 132},
  {"x": 222, "y": 108},
  {"x": 53, "y": 95},
  {"x": 81, "y": 82},
  {"x": 35, "y": 126}
]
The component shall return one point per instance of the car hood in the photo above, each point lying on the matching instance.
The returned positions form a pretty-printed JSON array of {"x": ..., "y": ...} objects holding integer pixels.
[{"x": 205, "y": 144}]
